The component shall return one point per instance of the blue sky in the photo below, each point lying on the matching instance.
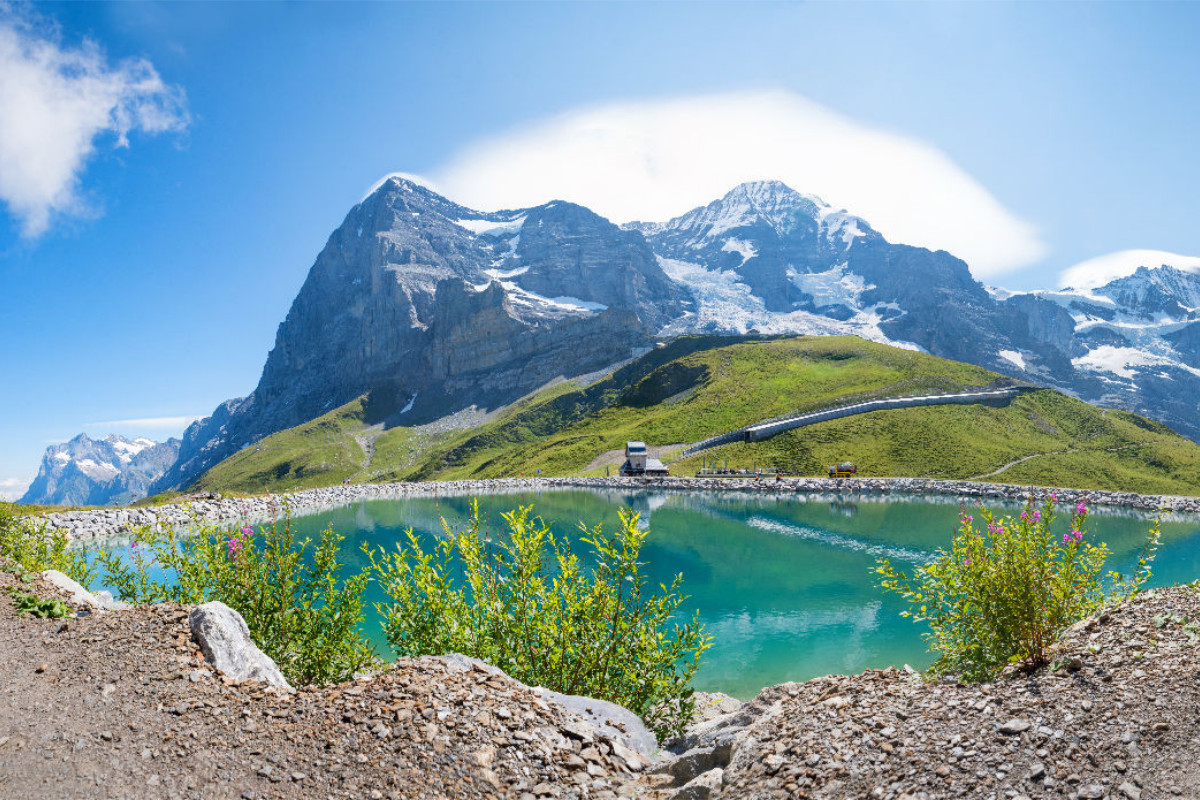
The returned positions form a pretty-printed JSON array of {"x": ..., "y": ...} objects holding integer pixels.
[{"x": 147, "y": 284}]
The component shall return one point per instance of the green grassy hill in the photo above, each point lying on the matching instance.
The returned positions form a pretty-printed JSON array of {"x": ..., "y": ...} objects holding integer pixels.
[{"x": 698, "y": 386}]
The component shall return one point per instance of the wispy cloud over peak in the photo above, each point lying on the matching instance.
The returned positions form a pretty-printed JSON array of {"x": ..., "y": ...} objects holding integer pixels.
[
  {"x": 1103, "y": 269},
  {"x": 153, "y": 423},
  {"x": 652, "y": 160}
]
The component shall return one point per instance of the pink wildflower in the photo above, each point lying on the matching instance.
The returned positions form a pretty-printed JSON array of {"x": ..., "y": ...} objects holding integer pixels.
[
  {"x": 1053, "y": 497},
  {"x": 234, "y": 546},
  {"x": 1081, "y": 508},
  {"x": 1037, "y": 516},
  {"x": 247, "y": 530}
]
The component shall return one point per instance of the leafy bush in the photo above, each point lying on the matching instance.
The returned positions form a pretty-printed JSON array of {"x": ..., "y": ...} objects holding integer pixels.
[
  {"x": 301, "y": 614},
  {"x": 42, "y": 608},
  {"x": 527, "y": 604},
  {"x": 26, "y": 542},
  {"x": 1005, "y": 594}
]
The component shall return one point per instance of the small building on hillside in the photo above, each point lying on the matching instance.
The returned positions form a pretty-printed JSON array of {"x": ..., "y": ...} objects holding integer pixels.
[{"x": 639, "y": 463}]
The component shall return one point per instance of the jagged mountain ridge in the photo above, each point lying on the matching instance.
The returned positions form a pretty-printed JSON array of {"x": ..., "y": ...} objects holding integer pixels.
[
  {"x": 109, "y": 471},
  {"x": 431, "y": 307}
]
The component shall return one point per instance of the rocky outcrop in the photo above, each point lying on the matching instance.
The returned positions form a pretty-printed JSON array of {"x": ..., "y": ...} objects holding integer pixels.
[
  {"x": 225, "y": 641},
  {"x": 1110, "y": 717},
  {"x": 590, "y": 720},
  {"x": 102, "y": 600},
  {"x": 568, "y": 247}
]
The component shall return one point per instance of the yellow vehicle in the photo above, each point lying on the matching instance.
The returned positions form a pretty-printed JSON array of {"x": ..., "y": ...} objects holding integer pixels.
[{"x": 843, "y": 470}]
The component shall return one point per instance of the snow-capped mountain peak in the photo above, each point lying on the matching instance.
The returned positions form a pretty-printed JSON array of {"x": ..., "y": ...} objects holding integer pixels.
[
  {"x": 749, "y": 212},
  {"x": 87, "y": 471}
]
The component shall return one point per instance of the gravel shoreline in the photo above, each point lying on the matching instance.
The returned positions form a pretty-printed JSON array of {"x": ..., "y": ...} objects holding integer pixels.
[{"x": 100, "y": 523}]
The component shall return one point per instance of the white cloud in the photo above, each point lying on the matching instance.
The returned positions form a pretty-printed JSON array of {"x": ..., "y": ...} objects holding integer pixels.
[
  {"x": 156, "y": 423},
  {"x": 12, "y": 488},
  {"x": 55, "y": 103},
  {"x": 654, "y": 160},
  {"x": 1102, "y": 269}
]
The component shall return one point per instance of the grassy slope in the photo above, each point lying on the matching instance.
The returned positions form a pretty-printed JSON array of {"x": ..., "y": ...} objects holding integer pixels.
[{"x": 698, "y": 386}]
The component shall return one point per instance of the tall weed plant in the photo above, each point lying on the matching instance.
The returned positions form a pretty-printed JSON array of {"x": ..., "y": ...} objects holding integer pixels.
[
  {"x": 300, "y": 611},
  {"x": 1007, "y": 588},
  {"x": 26, "y": 542},
  {"x": 526, "y": 603}
]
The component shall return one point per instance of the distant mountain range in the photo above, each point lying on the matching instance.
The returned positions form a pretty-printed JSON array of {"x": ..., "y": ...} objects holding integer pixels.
[
  {"x": 99, "y": 472},
  {"x": 430, "y": 307}
]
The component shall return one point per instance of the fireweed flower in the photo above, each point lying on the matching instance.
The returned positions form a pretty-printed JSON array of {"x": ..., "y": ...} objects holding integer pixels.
[
  {"x": 234, "y": 546},
  {"x": 246, "y": 530},
  {"x": 1053, "y": 497},
  {"x": 1081, "y": 508},
  {"x": 1037, "y": 516}
]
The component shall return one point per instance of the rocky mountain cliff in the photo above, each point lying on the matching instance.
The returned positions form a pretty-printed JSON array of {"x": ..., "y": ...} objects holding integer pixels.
[
  {"x": 432, "y": 307},
  {"x": 109, "y": 471}
]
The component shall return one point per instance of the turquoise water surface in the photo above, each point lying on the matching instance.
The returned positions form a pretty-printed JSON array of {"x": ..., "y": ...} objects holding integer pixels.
[{"x": 784, "y": 585}]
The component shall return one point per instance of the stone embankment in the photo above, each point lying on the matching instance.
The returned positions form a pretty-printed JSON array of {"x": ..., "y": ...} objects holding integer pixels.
[{"x": 83, "y": 525}]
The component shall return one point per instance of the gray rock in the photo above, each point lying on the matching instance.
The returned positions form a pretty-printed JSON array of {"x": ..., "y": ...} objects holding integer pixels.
[
  {"x": 606, "y": 719},
  {"x": 695, "y": 762},
  {"x": 592, "y": 718},
  {"x": 722, "y": 729},
  {"x": 460, "y": 663},
  {"x": 703, "y": 787},
  {"x": 225, "y": 641},
  {"x": 710, "y": 705},
  {"x": 1015, "y": 726},
  {"x": 80, "y": 595},
  {"x": 1130, "y": 791}
]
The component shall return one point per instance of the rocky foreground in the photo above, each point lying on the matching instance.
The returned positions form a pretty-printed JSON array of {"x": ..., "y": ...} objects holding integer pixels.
[{"x": 123, "y": 704}]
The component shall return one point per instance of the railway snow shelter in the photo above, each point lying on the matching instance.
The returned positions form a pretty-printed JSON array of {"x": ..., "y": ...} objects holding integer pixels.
[{"x": 639, "y": 462}]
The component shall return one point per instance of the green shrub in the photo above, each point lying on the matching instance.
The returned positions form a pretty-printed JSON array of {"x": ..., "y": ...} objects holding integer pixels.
[
  {"x": 527, "y": 604},
  {"x": 25, "y": 541},
  {"x": 303, "y": 615},
  {"x": 1005, "y": 593},
  {"x": 42, "y": 608}
]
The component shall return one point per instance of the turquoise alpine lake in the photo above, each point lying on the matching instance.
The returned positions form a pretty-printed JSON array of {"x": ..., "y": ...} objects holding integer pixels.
[{"x": 784, "y": 584}]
